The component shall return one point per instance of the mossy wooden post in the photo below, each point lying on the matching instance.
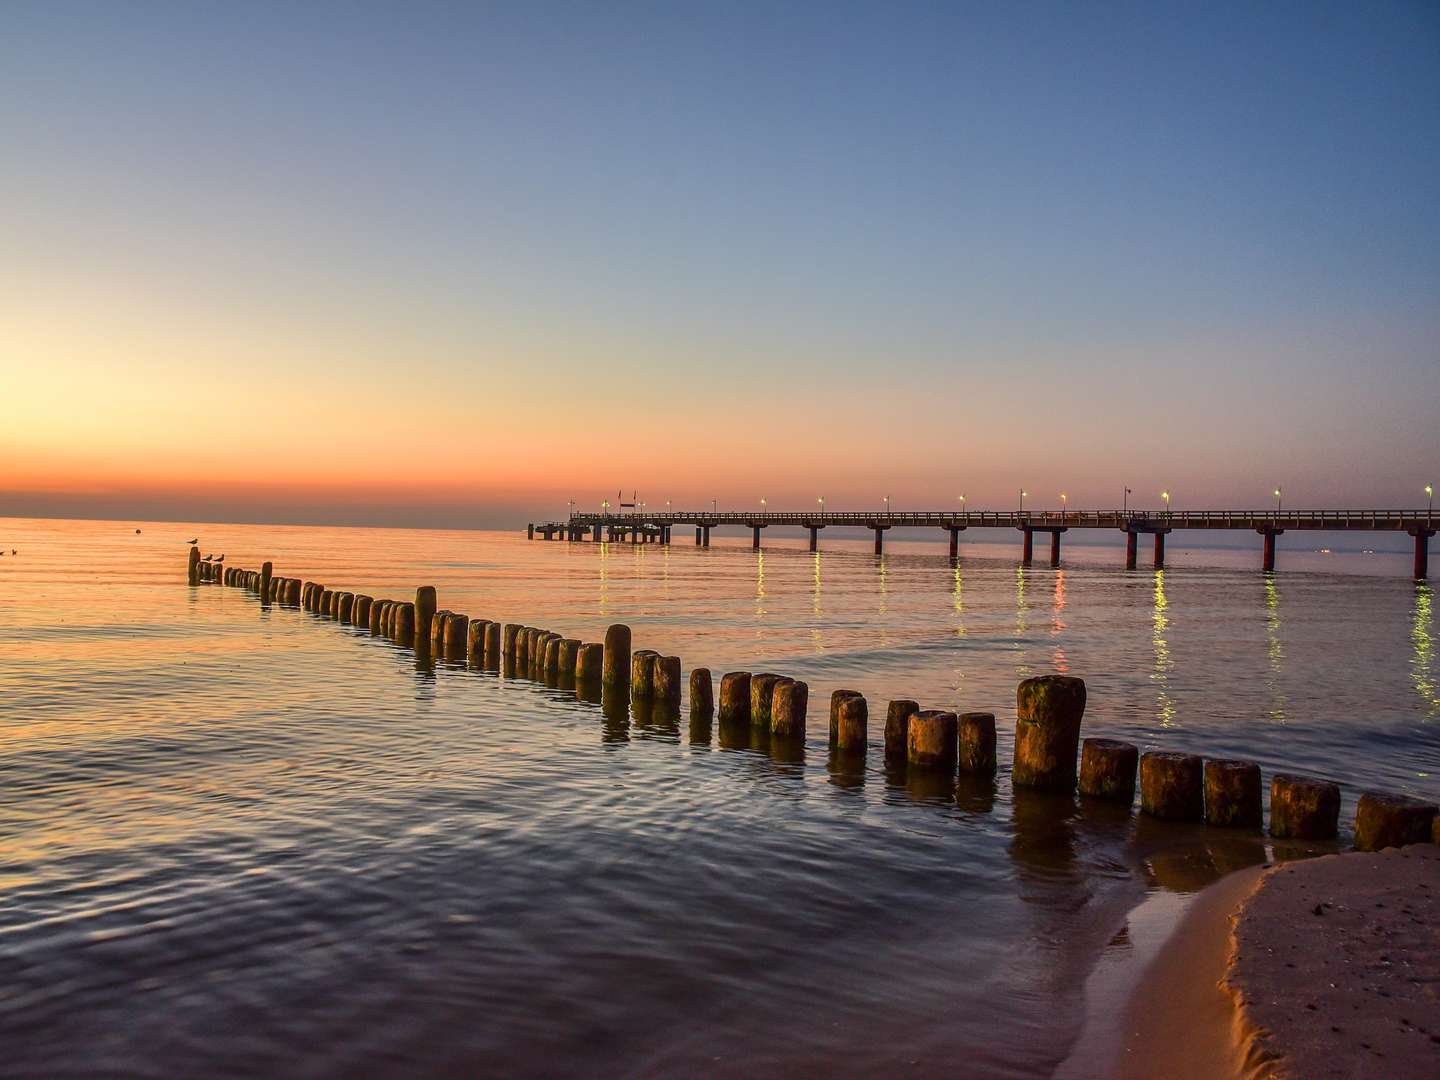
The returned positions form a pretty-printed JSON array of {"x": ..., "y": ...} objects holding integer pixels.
[
  {"x": 735, "y": 697},
  {"x": 762, "y": 695},
  {"x": 852, "y": 724},
  {"x": 267, "y": 571},
  {"x": 1304, "y": 808},
  {"x": 789, "y": 704},
  {"x": 1107, "y": 769},
  {"x": 457, "y": 631},
  {"x": 1383, "y": 821},
  {"x": 836, "y": 697},
  {"x": 424, "y": 611},
  {"x": 1048, "y": 711},
  {"x": 589, "y": 667},
  {"x": 615, "y": 681},
  {"x": 405, "y": 623},
  {"x": 494, "y": 637},
  {"x": 475, "y": 643},
  {"x": 897, "y": 729},
  {"x": 976, "y": 742},
  {"x": 642, "y": 674},
  {"x": 702, "y": 696},
  {"x": 1172, "y": 786},
  {"x": 1232, "y": 794},
  {"x": 192, "y": 570},
  {"x": 666, "y": 681},
  {"x": 931, "y": 739}
]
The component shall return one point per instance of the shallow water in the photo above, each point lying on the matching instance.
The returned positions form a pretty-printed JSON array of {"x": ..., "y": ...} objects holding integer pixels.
[{"x": 241, "y": 840}]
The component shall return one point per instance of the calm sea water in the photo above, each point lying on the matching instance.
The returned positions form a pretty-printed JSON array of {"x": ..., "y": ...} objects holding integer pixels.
[{"x": 245, "y": 840}]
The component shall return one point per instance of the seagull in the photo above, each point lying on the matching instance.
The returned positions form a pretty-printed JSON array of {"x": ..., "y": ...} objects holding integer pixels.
[
  {"x": 207, "y": 558},
  {"x": 219, "y": 558},
  {"x": 196, "y": 541}
]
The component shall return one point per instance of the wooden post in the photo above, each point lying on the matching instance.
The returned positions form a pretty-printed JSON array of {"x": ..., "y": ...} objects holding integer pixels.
[
  {"x": 1047, "y": 732},
  {"x": 344, "y": 605},
  {"x": 852, "y": 724},
  {"x": 665, "y": 682},
  {"x": 1172, "y": 786},
  {"x": 1107, "y": 769},
  {"x": 192, "y": 569},
  {"x": 954, "y": 544},
  {"x": 1027, "y": 551},
  {"x": 836, "y": 698},
  {"x": 1232, "y": 794},
  {"x": 976, "y": 738},
  {"x": 702, "y": 696},
  {"x": 762, "y": 693},
  {"x": 1054, "y": 547},
  {"x": 1383, "y": 821},
  {"x": 494, "y": 634},
  {"x": 814, "y": 538},
  {"x": 457, "y": 629},
  {"x": 931, "y": 739},
  {"x": 642, "y": 674},
  {"x": 267, "y": 571},
  {"x": 735, "y": 697},
  {"x": 1304, "y": 808},
  {"x": 1422, "y": 552},
  {"x": 1131, "y": 543},
  {"x": 424, "y": 611},
  {"x": 616, "y": 679},
  {"x": 788, "y": 707},
  {"x": 897, "y": 729},
  {"x": 589, "y": 667},
  {"x": 1159, "y": 551},
  {"x": 405, "y": 624},
  {"x": 475, "y": 643},
  {"x": 879, "y": 540}
]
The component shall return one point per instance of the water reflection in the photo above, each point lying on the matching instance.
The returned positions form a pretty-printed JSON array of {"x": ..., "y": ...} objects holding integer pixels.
[
  {"x": 1274, "y": 649},
  {"x": 846, "y": 770},
  {"x": 1422, "y": 667},
  {"x": 817, "y": 638},
  {"x": 959, "y": 602},
  {"x": 1057, "y": 624},
  {"x": 1160, "y": 626},
  {"x": 759, "y": 584}
]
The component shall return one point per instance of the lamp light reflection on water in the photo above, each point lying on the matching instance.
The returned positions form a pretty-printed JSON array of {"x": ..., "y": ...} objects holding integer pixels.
[
  {"x": 1274, "y": 648},
  {"x": 1057, "y": 624},
  {"x": 959, "y": 604},
  {"x": 1424, "y": 642},
  {"x": 1160, "y": 625}
]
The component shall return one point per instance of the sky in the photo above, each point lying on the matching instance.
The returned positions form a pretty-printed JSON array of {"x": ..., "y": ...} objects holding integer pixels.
[{"x": 459, "y": 264}]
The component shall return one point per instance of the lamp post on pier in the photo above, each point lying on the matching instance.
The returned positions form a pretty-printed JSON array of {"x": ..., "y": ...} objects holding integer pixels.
[{"x": 1279, "y": 504}]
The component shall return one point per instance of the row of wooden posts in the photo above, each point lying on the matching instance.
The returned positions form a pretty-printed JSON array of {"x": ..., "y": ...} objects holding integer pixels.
[{"x": 1049, "y": 754}]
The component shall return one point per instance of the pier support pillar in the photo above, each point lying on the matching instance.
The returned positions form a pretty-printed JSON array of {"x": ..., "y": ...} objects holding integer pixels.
[
  {"x": 1422, "y": 552},
  {"x": 698, "y": 531},
  {"x": 1027, "y": 552},
  {"x": 954, "y": 543},
  {"x": 1269, "y": 561},
  {"x": 1055, "y": 547},
  {"x": 706, "y": 542},
  {"x": 530, "y": 531},
  {"x": 814, "y": 538},
  {"x": 880, "y": 538},
  {"x": 1159, "y": 551},
  {"x": 755, "y": 542},
  {"x": 1131, "y": 543}
]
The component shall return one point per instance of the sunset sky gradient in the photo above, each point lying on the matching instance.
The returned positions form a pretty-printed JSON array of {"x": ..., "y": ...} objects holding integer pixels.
[{"x": 446, "y": 265}]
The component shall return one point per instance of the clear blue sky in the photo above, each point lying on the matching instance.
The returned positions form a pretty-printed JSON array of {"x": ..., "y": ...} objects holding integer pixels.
[{"x": 861, "y": 248}]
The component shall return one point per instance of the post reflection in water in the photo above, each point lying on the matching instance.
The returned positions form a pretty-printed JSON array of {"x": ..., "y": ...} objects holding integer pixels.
[
  {"x": 1422, "y": 666},
  {"x": 846, "y": 770},
  {"x": 1274, "y": 648},
  {"x": 1160, "y": 626}
]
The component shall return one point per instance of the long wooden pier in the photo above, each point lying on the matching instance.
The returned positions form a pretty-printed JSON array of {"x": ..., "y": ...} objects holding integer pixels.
[{"x": 647, "y": 526}]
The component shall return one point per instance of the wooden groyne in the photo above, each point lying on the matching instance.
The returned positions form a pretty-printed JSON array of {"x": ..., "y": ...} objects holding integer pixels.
[{"x": 1049, "y": 751}]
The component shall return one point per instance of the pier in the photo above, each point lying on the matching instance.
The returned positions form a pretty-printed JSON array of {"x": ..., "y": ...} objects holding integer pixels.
[{"x": 647, "y": 527}]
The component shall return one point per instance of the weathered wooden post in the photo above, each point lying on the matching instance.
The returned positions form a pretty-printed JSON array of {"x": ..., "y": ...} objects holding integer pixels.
[
  {"x": 327, "y": 602},
  {"x": 475, "y": 643},
  {"x": 1383, "y": 821},
  {"x": 852, "y": 724},
  {"x": 1232, "y": 794},
  {"x": 762, "y": 695},
  {"x": 494, "y": 637},
  {"x": 437, "y": 631},
  {"x": 1048, "y": 711},
  {"x": 1107, "y": 769},
  {"x": 457, "y": 630},
  {"x": 1304, "y": 808},
  {"x": 292, "y": 592},
  {"x": 566, "y": 660},
  {"x": 1172, "y": 786},
  {"x": 702, "y": 697},
  {"x": 405, "y": 623},
  {"x": 344, "y": 606},
  {"x": 361, "y": 609},
  {"x": 897, "y": 729},
  {"x": 789, "y": 703},
  {"x": 836, "y": 698},
  {"x": 424, "y": 611},
  {"x": 616, "y": 679},
  {"x": 665, "y": 681},
  {"x": 589, "y": 667},
  {"x": 192, "y": 569},
  {"x": 931, "y": 739},
  {"x": 642, "y": 674},
  {"x": 267, "y": 571},
  {"x": 508, "y": 633},
  {"x": 976, "y": 752},
  {"x": 735, "y": 697}
]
